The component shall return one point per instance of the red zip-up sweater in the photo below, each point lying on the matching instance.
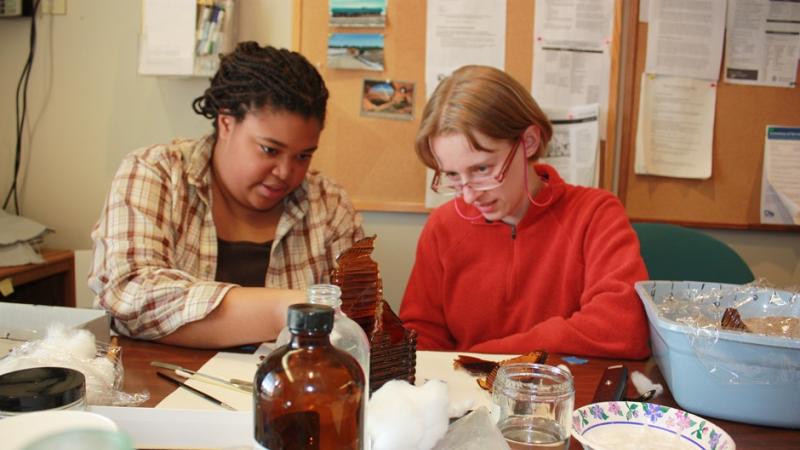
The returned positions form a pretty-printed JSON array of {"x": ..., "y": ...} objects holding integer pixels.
[{"x": 561, "y": 280}]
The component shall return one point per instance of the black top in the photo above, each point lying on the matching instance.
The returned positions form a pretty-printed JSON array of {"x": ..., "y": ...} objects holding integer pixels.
[
  {"x": 310, "y": 319},
  {"x": 40, "y": 388},
  {"x": 242, "y": 263}
]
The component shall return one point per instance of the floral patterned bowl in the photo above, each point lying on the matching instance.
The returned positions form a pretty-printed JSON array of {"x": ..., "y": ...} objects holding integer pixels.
[{"x": 634, "y": 425}]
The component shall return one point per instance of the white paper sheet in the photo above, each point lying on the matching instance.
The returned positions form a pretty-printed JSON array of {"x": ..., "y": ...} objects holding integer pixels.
[
  {"x": 644, "y": 11},
  {"x": 571, "y": 54},
  {"x": 780, "y": 180},
  {"x": 462, "y": 388},
  {"x": 573, "y": 148},
  {"x": 675, "y": 127},
  {"x": 223, "y": 365},
  {"x": 14, "y": 228},
  {"x": 168, "y": 34},
  {"x": 575, "y": 22},
  {"x": 685, "y": 38},
  {"x": 461, "y": 32},
  {"x": 763, "y": 43},
  {"x": 569, "y": 77},
  {"x": 430, "y": 365},
  {"x": 17, "y": 255}
]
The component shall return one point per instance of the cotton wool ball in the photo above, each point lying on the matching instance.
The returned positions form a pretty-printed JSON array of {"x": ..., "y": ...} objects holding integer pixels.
[
  {"x": 433, "y": 404},
  {"x": 406, "y": 417},
  {"x": 460, "y": 408},
  {"x": 51, "y": 343},
  {"x": 80, "y": 344},
  {"x": 392, "y": 420}
]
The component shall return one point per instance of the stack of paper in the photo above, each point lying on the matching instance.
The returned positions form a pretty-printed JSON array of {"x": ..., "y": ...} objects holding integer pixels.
[{"x": 20, "y": 239}]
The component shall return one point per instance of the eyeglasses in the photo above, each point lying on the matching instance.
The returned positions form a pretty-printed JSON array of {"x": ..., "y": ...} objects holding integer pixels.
[{"x": 453, "y": 185}]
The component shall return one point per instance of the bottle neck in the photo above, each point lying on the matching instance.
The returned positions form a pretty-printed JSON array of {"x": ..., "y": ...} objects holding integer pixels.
[
  {"x": 303, "y": 339},
  {"x": 325, "y": 294},
  {"x": 333, "y": 302}
]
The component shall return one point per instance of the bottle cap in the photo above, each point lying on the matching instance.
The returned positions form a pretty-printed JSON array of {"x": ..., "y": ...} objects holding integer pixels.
[
  {"x": 310, "y": 318},
  {"x": 40, "y": 388}
]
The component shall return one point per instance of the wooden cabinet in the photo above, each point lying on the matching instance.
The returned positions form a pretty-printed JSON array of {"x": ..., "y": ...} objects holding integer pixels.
[{"x": 49, "y": 283}]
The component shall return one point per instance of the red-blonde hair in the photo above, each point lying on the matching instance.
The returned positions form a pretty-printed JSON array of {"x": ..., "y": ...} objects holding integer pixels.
[{"x": 483, "y": 99}]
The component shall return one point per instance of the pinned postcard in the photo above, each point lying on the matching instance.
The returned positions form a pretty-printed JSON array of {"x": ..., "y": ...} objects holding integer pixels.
[
  {"x": 355, "y": 51},
  {"x": 388, "y": 99},
  {"x": 780, "y": 180},
  {"x": 357, "y": 13}
]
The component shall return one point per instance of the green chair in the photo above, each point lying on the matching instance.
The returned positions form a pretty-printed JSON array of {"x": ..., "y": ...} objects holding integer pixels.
[{"x": 672, "y": 252}]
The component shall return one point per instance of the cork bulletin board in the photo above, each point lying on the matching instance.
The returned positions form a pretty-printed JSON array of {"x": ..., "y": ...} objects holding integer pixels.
[
  {"x": 731, "y": 197},
  {"x": 374, "y": 158}
]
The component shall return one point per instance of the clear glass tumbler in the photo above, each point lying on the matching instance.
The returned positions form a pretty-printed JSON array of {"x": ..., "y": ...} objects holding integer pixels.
[{"x": 533, "y": 404}]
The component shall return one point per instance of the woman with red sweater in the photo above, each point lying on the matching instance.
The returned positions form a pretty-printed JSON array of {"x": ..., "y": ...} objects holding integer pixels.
[{"x": 518, "y": 260}]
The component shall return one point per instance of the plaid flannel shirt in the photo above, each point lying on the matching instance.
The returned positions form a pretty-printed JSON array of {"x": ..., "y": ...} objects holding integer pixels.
[{"x": 155, "y": 245}]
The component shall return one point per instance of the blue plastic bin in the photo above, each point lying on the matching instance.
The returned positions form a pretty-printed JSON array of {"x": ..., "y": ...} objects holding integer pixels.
[{"x": 730, "y": 375}]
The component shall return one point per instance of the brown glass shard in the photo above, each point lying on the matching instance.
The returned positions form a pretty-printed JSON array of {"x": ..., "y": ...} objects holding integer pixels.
[
  {"x": 477, "y": 366},
  {"x": 473, "y": 365},
  {"x": 731, "y": 320},
  {"x": 393, "y": 348}
]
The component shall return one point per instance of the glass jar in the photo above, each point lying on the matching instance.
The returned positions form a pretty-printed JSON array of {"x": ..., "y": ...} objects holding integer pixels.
[
  {"x": 533, "y": 405},
  {"x": 41, "y": 389}
]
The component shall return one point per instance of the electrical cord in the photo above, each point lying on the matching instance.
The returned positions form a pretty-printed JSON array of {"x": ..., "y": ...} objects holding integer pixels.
[{"x": 20, "y": 118}]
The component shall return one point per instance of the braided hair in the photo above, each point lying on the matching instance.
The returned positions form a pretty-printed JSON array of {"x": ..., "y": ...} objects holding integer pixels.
[{"x": 252, "y": 76}]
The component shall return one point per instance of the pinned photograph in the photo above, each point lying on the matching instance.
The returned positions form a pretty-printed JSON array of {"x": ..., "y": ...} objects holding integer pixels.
[
  {"x": 358, "y": 13},
  {"x": 355, "y": 51},
  {"x": 388, "y": 99}
]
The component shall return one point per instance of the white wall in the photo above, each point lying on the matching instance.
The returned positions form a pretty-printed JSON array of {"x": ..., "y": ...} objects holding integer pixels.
[{"x": 88, "y": 108}]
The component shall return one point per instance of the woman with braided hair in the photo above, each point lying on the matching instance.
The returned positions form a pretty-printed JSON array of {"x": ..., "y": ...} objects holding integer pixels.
[{"x": 205, "y": 243}]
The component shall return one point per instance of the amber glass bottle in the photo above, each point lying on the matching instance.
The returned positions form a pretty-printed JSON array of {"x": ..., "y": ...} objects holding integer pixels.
[{"x": 308, "y": 394}]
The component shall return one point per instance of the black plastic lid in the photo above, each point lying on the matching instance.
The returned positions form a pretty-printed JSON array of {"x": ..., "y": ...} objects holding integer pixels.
[
  {"x": 310, "y": 318},
  {"x": 40, "y": 388}
]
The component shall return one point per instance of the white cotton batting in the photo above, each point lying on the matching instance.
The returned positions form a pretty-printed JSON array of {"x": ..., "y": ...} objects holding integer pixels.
[
  {"x": 73, "y": 349},
  {"x": 458, "y": 409},
  {"x": 401, "y": 416},
  {"x": 644, "y": 384}
]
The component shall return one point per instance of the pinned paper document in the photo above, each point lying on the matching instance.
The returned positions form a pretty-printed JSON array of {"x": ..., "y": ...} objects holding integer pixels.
[
  {"x": 780, "y": 180},
  {"x": 674, "y": 135}
]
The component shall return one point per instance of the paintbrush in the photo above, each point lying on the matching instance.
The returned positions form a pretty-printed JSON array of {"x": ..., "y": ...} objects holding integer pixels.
[{"x": 239, "y": 384}]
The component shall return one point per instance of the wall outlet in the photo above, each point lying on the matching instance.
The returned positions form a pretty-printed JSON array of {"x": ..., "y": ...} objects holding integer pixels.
[{"x": 54, "y": 7}]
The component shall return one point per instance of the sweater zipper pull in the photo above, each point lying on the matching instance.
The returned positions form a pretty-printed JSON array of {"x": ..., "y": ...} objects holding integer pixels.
[{"x": 513, "y": 232}]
